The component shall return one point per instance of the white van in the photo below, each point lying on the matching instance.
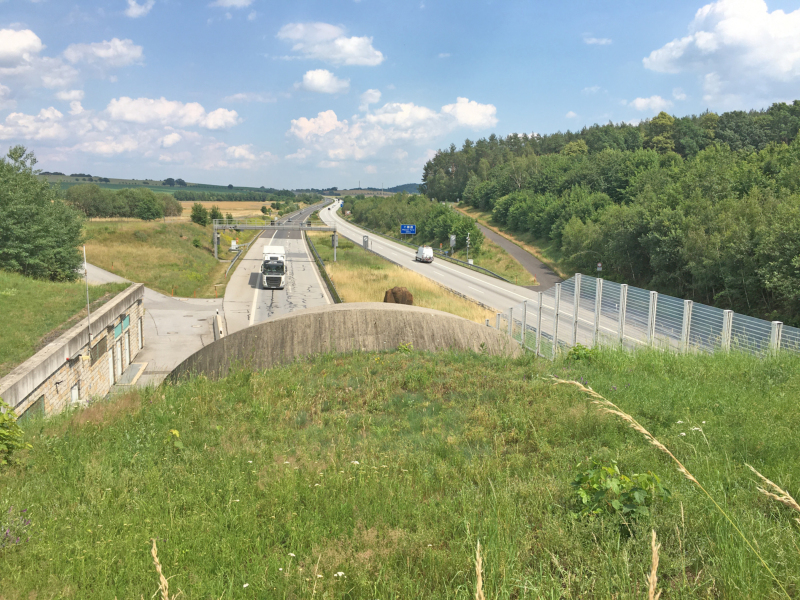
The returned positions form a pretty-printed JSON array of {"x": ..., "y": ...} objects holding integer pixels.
[{"x": 424, "y": 254}]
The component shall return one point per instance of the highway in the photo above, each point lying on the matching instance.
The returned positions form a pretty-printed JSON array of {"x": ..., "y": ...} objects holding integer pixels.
[
  {"x": 246, "y": 302},
  {"x": 486, "y": 290}
]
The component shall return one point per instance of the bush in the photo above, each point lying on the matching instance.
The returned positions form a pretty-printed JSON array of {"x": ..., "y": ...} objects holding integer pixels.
[
  {"x": 40, "y": 232},
  {"x": 10, "y": 434},
  {"x": 199, "y": 214},
  {"x": 197, "y": 243},
  {"x": 149, "y": 208}
]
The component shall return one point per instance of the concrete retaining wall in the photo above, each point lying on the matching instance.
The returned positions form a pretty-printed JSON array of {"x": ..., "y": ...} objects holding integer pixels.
[
  {"x": 45, "y": 380},
  {"x": 365, "y": 326}
]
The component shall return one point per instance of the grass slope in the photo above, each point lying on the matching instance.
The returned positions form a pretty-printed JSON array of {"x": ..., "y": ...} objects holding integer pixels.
[
  {"x": 162, "y": 255},
  {"x": 390, "y": 467},
  {"x": 361, "y": 276},
  {"x": 35, "y": 312}
]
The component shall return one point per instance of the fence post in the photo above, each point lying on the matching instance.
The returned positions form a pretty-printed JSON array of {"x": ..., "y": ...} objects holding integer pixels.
[
  {"x": 511, "y": 322},
  {"x": 540, "y": 295},
  {"x": 576, "y": 304},
  {"x": 775, "y": 336},
  {"x": 555, "y": 320},
  {"x": 727, "y": 322},
  {"x": 686, "y": 330},
  {"x": 623, "y": 302},
  {"x": 524, "y": 323},
  {"x": 497, "y": 326},
  {"x": 651, "y": 319},
  {"x": 598, "y": 305}
]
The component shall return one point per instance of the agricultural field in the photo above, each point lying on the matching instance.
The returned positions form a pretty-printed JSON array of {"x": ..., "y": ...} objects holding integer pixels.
[
  {"x": 239, "y": 210},
  {"x": 36, "y": 312},
  {"x": 172, "y": 258},
  {"x": 376, "y": 475},
  {"x": 113, "y": 183},
  {"x": 360, "y": 276}
]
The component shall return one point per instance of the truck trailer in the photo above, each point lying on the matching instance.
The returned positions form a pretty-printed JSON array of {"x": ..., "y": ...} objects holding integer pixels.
[{"x": 273, "y": 268}]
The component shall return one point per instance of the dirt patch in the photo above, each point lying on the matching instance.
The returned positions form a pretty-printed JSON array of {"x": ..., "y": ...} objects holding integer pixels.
[
  {"x": 366, "y": 547},
  {"x": 102, "y": 412}
]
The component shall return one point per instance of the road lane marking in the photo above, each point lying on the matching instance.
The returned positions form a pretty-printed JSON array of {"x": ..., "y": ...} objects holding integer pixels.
[{"x": 258, "y": 286}]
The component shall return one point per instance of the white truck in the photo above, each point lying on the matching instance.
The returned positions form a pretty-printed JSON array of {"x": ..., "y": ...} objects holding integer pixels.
[
  {"x": 424, "y": 254},
  {"x": 273, "y": 268}
]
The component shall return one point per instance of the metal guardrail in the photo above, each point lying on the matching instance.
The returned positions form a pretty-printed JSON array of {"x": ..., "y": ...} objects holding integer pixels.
[
  {"x": 589, "y": 311},
  {"x": 328, "y": 281},
  {"x": 441, "y": 254}
]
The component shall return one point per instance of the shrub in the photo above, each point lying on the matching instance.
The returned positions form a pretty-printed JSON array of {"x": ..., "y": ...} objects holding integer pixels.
[{"x": 10, "y": 434}]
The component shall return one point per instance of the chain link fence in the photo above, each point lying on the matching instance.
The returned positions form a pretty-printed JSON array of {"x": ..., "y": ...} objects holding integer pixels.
[{"x": 590, "y": 311}]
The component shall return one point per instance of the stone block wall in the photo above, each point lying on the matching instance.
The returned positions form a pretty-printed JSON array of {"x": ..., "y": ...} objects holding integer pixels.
[{"x": 74, "y": 369}]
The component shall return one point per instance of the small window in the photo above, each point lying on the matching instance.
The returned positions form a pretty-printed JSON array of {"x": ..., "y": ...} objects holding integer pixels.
[{"x": 75, "y": 394}]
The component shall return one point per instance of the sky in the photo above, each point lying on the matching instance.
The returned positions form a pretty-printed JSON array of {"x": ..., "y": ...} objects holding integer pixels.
[{"x": 344, "y": 93}]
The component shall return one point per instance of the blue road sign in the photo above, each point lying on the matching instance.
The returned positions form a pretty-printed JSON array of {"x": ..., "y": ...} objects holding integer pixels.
[{"x": 408, "y": 229}]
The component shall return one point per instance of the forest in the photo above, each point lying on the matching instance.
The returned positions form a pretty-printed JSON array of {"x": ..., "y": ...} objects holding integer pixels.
[
  {"x": 270, "y": 195},
  {"x": 142, "y": 203},
  {"x": 703, "y": 207}
]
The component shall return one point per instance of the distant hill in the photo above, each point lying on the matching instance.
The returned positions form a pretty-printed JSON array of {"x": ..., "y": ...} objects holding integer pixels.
[{"x": 411, "y": 188}]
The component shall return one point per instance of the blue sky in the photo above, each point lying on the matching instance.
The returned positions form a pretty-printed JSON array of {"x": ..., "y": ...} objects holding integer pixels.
[{"x": 317, "y": 94}]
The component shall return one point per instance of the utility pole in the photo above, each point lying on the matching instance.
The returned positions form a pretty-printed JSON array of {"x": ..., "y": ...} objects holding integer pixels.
[{"x": 88, "y": 314}]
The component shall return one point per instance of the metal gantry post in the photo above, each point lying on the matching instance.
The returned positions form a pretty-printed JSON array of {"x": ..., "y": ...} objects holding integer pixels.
[
  {"x": 686, "y": 329},
  {"x": 214, "y": 235},
  {"x": 497, "y": 326},
  {"x": 555, "y": 320},
  {"x": 576, "y": 304},
  {"x": 598, "y": 305},
  {"x": 540, "y": 295},
  {"x": 727, "y": 323},
  {"x": 623, "y": 303},
  {"x": 775, "y": 336},
  {"x": 524, "y": 323},
  {"x": 651, "y": 319},
  {"x": 511, "y": 322}
]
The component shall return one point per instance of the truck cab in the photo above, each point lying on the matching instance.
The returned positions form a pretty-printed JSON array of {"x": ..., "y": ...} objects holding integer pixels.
[{"x": 273, "y": 268}]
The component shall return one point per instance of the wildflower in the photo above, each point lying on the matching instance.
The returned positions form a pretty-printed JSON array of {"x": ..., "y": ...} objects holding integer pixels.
[
  {"x": 704, "y": 422},
  {"x": 679, "y": 422},
  {"x": 613, "y": 387},
  {"x": 245, "y": 585},
  {"x": 250, "y": 461},
  {"x": 291, "y": 554},
  {"x": 319, "y": 576},
  {"x": 354, "y": 462},
  {"x": 682, "y": 433},
  {"x": 696, "y": 429}
]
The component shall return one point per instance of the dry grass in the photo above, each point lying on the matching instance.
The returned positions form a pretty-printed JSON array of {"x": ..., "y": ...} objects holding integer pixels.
[
  {"x": 479, "y": 572},
  {"x": 778, "y": 493},
  {"x": 363, "y": 284},
  {"x": 652, "y": 578},
  {"x": 476, "y": 214}
]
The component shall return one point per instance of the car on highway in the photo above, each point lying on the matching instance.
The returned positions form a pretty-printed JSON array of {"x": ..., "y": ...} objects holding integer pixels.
[{"x": 424, "y": 254}]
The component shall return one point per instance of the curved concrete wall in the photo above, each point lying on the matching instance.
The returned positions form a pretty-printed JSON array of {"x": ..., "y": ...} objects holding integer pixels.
[{"x": 365, "y": 326}]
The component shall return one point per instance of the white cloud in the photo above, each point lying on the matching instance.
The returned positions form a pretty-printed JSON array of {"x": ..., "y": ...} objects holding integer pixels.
[
  {"x": 249, "y": 97},
  {"x": 44, "y": 126},
  {"x": 328, "y": 164},
  {"x": 591, "y": 90},
  {"x": 240, "y": 152},
  {"x": 252, "y": 16},
  {"x": 597, "y": 41},
  {"x": 110, "y": 53},
  {"x": 324, "y": 82},
  {"x": 170, "y": 112},
  {"x": 170, "y": 139},
  {"x": 652, "y": 104},
  {"x": 571, "y": 115},
  {"x": 70, "y": 95},
  {"x": 75, "y": 107},
  {"x": 328, "y": 43},
  {"x": 371, "y": 96},
  {"x": 135, "y": 10},
  {"x": 678, "y": 94},
  {"x": 394, "y": 123},
  {"x": 232, "y": 3},
  {"x": 471, "y": 114},
  {"x": 6, "y": 101},
  {"x": 739, "y": 49},
  {"x": 17, "y": 45},
  {"x": 370, "y": 169},
  {"x": 444, "y": 55}
]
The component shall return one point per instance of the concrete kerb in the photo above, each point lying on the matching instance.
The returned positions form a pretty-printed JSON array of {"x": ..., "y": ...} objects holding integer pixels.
[{"x": 342, "y": 328}]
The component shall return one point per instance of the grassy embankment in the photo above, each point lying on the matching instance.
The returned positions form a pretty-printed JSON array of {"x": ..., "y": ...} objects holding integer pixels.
[
  {"x": 389, "y": 468},
  {"x": 360, "y": 276},
  {"x": 36, "y": 312},
  {"x": 163, "y": 256},
  {"x": 545, "y": 250}
]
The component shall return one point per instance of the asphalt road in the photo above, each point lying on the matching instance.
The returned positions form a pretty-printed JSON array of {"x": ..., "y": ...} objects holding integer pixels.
[
  {"x": 246, "y": 302},
  {"x": 484, "y": 289}
]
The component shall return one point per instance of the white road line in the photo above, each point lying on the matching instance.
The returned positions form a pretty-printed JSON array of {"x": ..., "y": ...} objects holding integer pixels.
[{"x": 258, "y": 286}]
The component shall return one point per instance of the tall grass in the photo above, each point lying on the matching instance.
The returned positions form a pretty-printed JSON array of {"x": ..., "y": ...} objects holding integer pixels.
[
  {"x": 34, "y": 312},
  {"x": 360, "y": 276},
  {"x": 381, "y": 471}
]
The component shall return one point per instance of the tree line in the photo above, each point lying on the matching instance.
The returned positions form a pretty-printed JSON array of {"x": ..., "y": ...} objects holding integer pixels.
[
  {"x": 435, "y": 222},
  {"x": 142, "y": 203},
  {"x": 704, "y": 207},
  {"x": 244, "y": 196}
]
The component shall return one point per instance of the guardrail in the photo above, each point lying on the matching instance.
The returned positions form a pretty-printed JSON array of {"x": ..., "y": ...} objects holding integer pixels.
[
  {"x": 328, "y": 281},
  {"x": 441, "y": 254},
  {"x": 589, "y": 311}
]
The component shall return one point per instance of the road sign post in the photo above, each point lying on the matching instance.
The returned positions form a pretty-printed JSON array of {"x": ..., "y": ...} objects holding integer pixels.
[
  {"x": 335, "y": 242},
  {"x": 467, "y": 247},
  {"x": 366, "y": 242}
]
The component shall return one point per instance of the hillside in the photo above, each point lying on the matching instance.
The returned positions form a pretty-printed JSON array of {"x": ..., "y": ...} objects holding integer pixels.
[{"x": 376, "y": 475}]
